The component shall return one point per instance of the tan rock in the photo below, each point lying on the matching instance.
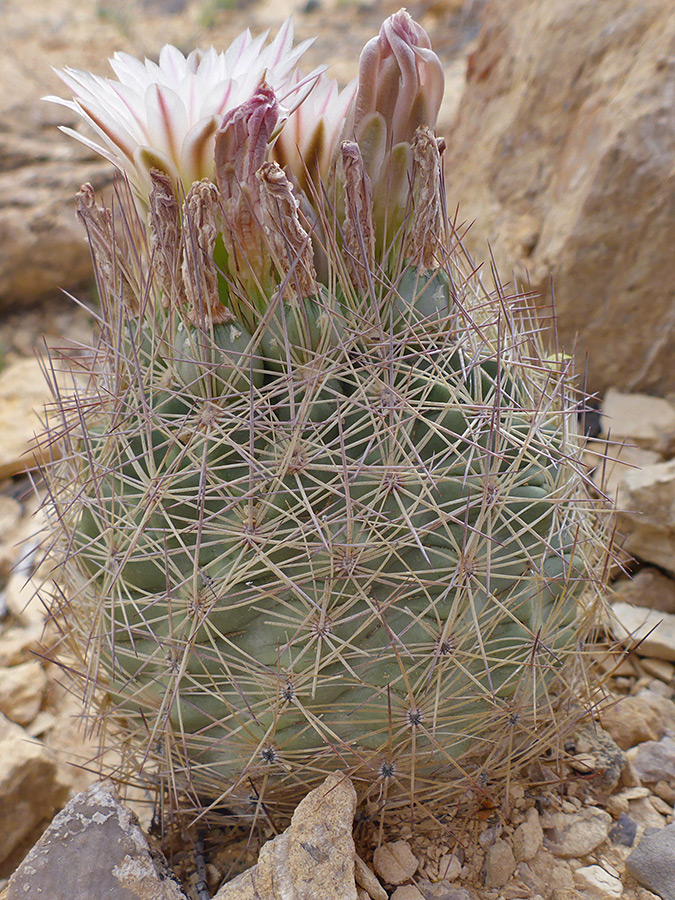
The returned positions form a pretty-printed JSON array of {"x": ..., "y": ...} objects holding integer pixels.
[
  {"x": 367, "y": 880},
  {"x": 407, "y": 892},
  {"x": 644, "y": 717},
  {"x": 395, "y": 862},
  {"x": 596, "y": 882},
  {"x": 528, "y": 836},
  {"x": 26, "y": 598},
  {"x": 648, "y": 587},
  {"x": 611, "y": 463},
  {"x": 23, "y": 395},
  {"x": 449, "y": 867},
  {"x": 558, "y": 148},
  {"x": 500, "y": 864},
  {"x": 22, "y": 688},
  {"x": 576, "y": 834},
  {"x": 93, "y": 848},
  {"x": 19, "y": 645},
  {"x": 639, "y": 420},
  {"x": 313, "y": 857},
  {"x": 646, "y": 514},
  {"x": 659, "y": 668},
  {"x": 30, "y": 790},
  {"x": 650, "y": 632}
]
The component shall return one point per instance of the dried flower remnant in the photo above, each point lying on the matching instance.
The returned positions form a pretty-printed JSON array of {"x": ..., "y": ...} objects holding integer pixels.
[
  {"x": 241, "y": 149},
  {"x": 165, "y": 115}
]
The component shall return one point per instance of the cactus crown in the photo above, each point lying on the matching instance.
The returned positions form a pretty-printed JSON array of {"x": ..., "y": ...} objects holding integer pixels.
[{"x": 320, "y": 504}]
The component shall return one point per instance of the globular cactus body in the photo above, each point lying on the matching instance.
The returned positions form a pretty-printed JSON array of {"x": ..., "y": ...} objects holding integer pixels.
[{"x": 344, "y": 528}]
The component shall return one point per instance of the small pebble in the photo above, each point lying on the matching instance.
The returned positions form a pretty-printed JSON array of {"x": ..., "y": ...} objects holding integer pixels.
[
  {"x": 624, "y": 831},
  {"x": 395, "y": 862}
]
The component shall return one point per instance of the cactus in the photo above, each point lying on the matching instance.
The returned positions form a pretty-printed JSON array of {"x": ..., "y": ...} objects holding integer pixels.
[{"x": 320, "y": 503}]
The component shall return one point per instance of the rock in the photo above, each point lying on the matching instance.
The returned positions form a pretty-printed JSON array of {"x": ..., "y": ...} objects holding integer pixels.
[
  {"x": 645, "y": 514},
  {"x": 442, "y": 891},
  {"x": 641, "y": 420},
  {"x": 594, "y": 881},
  {"x": 23, "y": 599},
  {"x": 652, "y": 633},
  {"x": 367, "y": 880},
  {"x": 22, "y": 688},
  {"x": 576, "y": 834},
  {"x": 561, "y": 142},
  {"x": 528, "y": 836},
  {"x": 624, "y": 831},
  {"x": 41, "y": 240},
  {"x": 648, "y": 587},
  {"x": 449, "y": 867},
  {"x": 644, "y": 814},
  {"x": 652, "y": 863},
  {"x": 666, "y": 791},
  {"x": 23, "y": 395},
  {"x": 659, "y": 668},
  {"x": 395, "y": 862},
  {"x": 30, "y": 789},
  {"x": 611, "y": 463},
  {"x": 500, "y": 864},
  {"x": 313, "y": 857},
  {"x": 655, "y": 760},
  {"x": 644, "y": 717},
  {"x": 94, "y": 842},
  {"x": 19, "y": 645},
  {"x": 407, "y": 892}
]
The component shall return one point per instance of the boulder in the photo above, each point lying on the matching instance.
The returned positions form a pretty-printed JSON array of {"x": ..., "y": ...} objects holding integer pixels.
[{"x": 561, "y": 155}]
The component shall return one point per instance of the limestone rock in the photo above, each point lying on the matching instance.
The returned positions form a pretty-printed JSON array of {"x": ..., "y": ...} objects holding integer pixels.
[
  {"x": 22, "y": 688},
  {"x": 576, "y": 834},
  {"x": 313, "y": 857},
  {"x": 18, "y": 645},
  {"x": 42, "y": 247},
  {"x": 23, "y": 395},
  {"x": 367, "y": 880},
  {"x": 528, "y": 836},
  {"x": 612, "y": 463},
  {"x": 395, "y": 862},
  {"x": 596, "y": 882},
  {"x": 407, "y": 892},
  {"x": 93, "y": 848},
  {"x": 646, "y": 513},
  {"x": 500, "y": 864},
  {"x": 648, "y": 587},
  {"x": 644, "y": 717},
  {"x": 640, "y": 420},
  {"x": 30, "y": 789},
  {"x": 561, "y": 158},
  {"x": 652, "y": 863},
  {"x": 652, "y": 630},
  {"x": 655, "y": 760},
  {"x": 441, "y": 890}
]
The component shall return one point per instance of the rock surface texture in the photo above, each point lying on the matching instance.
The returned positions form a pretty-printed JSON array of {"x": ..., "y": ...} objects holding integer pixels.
[
  {"x": 313, "y": 858},
  {"x": 93, "y": 849},
  {"x": 30, "y": 789},
  {"x": 561, "y": 155}
]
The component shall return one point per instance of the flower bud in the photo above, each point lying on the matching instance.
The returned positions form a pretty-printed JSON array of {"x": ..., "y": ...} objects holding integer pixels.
[{"x": 400, "y": 79}]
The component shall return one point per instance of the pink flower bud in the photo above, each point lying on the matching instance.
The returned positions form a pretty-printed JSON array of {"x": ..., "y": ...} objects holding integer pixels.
[{"x": 400, "y": 78}]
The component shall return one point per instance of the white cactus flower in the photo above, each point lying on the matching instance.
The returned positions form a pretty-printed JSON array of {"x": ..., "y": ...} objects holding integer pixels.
[
  {"x": 310, "y": 139},
  {"x": 165, "y": 115}
]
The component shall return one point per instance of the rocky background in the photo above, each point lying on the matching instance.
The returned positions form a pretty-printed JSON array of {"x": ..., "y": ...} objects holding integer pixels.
[{"x": 560, "y": 125}]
